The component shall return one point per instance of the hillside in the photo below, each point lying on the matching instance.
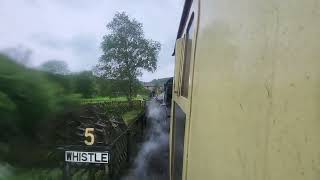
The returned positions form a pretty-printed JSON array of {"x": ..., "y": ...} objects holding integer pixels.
[{"x": 157, "y": 82}]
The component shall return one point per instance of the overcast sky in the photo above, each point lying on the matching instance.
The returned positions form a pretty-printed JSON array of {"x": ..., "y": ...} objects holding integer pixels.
[{"x": 71, "y": 30}]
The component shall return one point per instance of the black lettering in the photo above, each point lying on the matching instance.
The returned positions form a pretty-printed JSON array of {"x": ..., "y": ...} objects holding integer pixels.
[
  {"x": 104, "y": 157},
  {"x": 84, "y": 157},
  {"x": 90, "y": 155},
  {"x": 75, "y": 156},
  {"x": 95, "y": 158},
  {"x": 69, "y": 155}
]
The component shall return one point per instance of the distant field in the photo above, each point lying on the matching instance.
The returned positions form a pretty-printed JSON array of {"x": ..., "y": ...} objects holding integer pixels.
[
  {"x": 109, "y": 99},
  {"x": 129, "y": 116}
]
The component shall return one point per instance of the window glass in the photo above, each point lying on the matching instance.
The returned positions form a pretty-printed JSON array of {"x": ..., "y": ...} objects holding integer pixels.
[
  {"x": 179, "y": 121},
  {"x": 186, "y": 64}
]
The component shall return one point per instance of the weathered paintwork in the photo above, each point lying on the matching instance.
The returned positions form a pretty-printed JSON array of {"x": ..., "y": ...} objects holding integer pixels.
[{"x": 254, "y": 112}]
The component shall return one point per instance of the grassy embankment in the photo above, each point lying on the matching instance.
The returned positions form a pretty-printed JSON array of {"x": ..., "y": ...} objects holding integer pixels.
[
  {"x": 129, "y": 116},
  {"x": 109, "y": 99}
]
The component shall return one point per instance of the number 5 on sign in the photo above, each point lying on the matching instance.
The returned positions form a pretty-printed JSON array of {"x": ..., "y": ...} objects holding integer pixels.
[{"x": 89, "y": 135}]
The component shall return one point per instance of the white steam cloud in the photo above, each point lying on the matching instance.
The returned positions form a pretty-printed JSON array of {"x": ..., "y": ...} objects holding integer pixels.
[{"x": 152, "y": 159}]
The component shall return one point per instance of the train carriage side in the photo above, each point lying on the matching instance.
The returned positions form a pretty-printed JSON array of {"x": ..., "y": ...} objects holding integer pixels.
[{"x": 246, "y": 94}]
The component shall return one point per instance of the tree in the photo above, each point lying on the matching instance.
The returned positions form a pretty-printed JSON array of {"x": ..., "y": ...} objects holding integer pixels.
[
  {"x": 85, "y": 84},
  {"x": 55, "y": 67},
  {"x": 126, "y": 52},
  {"x": 27, "y": 98},
  {"x": 19, "y": 54}
]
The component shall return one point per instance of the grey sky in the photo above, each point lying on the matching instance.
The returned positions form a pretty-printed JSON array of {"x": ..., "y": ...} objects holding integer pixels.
[{"x": 71, "y": 30}]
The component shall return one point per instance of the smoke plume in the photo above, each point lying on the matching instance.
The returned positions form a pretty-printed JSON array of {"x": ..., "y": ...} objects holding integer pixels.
[{"x": 152, "y": 161}]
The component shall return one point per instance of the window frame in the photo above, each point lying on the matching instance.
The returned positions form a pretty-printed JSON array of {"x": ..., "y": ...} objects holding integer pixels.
[{"x": 187, "y": 57}]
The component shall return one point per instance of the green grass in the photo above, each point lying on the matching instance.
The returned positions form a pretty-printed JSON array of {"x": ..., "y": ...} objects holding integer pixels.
[
  {"x": 131, "y": 116},
  {"x": 108, "y": 99},
  {"x": 102, "y": 99},
  {"x": 36, "y": 174}
]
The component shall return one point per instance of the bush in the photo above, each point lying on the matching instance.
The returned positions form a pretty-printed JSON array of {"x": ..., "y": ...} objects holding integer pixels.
[{"x": 27, "y": 97}]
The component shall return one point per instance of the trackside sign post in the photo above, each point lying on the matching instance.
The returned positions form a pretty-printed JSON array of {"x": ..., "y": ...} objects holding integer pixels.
[{"x": 87, "y": 157}]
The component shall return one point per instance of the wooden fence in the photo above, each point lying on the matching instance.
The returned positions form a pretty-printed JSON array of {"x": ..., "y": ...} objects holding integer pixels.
[{"x": 121, "y": 149}]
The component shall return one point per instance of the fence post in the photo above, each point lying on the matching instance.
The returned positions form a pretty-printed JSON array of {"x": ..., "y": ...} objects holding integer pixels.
[
  {"x": 128, "y": 145},
  {"x": 92, "y": 173},
  {"x": 144, "y": 119},
  {"x": 110, "y": 168},
  {"x": 142, "y": 124},
  {"x": 66, "y": 171}
]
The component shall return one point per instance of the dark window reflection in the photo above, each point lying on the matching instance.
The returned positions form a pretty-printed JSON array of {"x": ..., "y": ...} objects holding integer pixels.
[{"x": 178, "y": 141}]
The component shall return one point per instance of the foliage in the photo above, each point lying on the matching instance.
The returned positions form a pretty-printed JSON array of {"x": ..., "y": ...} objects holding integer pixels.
[
  {"x": 113, "y": 88},
  {"x": 84, "y": 83},
  {"x": 55, "y": 67},
  {"x": 126, "y": 52},
  {"x": 65, "y": 82},
  {"x": 19, "y": 54},
  {"x": 142, "y": 91},
  {"x": 33, "y": 174},
  {"x": 8, "y": 113},
  {"x": 110, "y": 87},
  {"x": 159, "y": 82},
  {"x": 26, "y": 98},
  {"x": 108, "y": 99},
  {"x": 130, "y": 116}
]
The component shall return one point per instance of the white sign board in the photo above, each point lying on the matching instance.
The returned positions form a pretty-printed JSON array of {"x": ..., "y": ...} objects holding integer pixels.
[{"x": 87, "y": 157}]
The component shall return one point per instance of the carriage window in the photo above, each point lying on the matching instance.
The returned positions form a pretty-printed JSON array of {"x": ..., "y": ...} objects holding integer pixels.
[
  {"x": 186, "y": 64},
  {"x": 178, "y": 131}
]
